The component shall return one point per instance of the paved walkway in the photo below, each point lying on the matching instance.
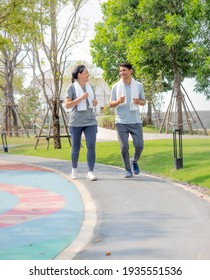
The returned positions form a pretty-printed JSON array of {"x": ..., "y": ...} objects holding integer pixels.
[{"x": 46, "y": 215}]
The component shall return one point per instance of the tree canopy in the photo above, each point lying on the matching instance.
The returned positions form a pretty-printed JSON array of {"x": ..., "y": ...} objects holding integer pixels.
[
  {"x": 21, "y": 18},
  {"x": 201, "y": 46},
  {"x": 154, "y": 35}
]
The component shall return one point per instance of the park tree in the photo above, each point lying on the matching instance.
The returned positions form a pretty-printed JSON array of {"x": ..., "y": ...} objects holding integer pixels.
[
  {"x": 109, "y": 48},
  {"x": 19, "y": 20},
  {"x": 29, "y": 106},
  {"x": 112, "y": 34},
  {"x": 155, "y": 36},
  {"x": 164, "y": 41},
  {"x": 9, "y": 62},
  {"x": 200, "y": 12},
  {"x": 53, "y": 46}
]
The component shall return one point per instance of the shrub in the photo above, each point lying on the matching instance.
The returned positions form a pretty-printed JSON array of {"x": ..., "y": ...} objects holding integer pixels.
[
  {"x": 108, "y": 111},
  {"x": 108, "y": 121}
]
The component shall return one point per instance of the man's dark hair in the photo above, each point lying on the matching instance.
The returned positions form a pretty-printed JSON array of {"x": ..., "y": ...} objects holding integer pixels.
[{"x": 126, "y": 64}]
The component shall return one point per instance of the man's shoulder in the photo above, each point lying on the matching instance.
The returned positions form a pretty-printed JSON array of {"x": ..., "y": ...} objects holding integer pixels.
[
  {"x": 114, "y": 86},
  {"x": 138, "y": 83}
]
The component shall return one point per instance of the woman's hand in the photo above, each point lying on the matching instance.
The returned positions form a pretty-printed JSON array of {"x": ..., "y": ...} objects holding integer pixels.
[
  {"x": 84, "y": 96},
  {"x": 95, "y": 102}
]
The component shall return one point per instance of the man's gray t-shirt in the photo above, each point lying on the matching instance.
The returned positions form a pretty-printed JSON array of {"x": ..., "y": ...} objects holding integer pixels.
[
  {"x": 123, "y": 113},
  {"x": 80, "y": 118}
]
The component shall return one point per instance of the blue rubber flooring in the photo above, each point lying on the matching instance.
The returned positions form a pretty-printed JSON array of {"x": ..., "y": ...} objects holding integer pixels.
[{"x": 41, "y": 213}]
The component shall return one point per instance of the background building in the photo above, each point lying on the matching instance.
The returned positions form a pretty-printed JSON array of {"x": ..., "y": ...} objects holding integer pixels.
[{"x": 101, "y": 88}]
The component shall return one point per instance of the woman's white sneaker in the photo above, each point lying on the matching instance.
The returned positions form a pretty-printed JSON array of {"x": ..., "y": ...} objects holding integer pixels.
[
  {"x": 91, "y": 176},
  {"x": 74, "y": 173}
]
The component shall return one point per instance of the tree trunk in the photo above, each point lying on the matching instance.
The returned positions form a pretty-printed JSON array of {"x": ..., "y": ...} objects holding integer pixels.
[
  {"x": 56, "y": 124},
  {"x": 10, "y": 121},
  {"x": 178, "y": 93},
  {"x": 149, "y": 114},
  {"x": 6, "y": 118},
  {"x": 15, "y": 121},
  {"x": 55, "y": 70}
]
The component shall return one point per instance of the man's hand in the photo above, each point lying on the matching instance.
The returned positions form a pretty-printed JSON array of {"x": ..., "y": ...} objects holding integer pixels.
[
  {"x": 140, "y": 102},
  {"x": 121, "y": 99},
  {"x": 136, "y": 101}
]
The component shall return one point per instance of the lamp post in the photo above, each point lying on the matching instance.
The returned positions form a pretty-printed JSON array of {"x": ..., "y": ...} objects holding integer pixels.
[{"x": 178, "y": 150}]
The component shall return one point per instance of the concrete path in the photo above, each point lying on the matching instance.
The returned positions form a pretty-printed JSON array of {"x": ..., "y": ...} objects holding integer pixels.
[
  {"x": 142, "y": 218},
  {"x": 111, "y": 135}
]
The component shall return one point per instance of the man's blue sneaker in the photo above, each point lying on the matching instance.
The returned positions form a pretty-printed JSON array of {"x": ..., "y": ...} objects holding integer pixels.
[
  {"x": 135, "y": 166},
  {"x": 128, "y": 174}
]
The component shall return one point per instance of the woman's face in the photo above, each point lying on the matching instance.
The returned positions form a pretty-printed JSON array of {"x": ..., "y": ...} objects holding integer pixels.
[{"x": 84, "y": 76}]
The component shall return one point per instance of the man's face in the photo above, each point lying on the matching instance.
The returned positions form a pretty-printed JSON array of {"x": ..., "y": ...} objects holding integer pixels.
[{"x": 125, "y": 73}]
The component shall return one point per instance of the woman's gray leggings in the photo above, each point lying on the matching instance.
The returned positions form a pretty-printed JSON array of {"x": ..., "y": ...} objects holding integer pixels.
[{"x": 90, "y": 137}]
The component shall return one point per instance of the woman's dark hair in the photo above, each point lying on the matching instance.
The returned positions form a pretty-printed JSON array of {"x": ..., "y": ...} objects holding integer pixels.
[
  {"x": 76, "y": 71},
  {"x": 127, "y": 65}
]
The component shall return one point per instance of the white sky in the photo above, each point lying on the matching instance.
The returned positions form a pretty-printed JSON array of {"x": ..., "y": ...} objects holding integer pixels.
[
  {"x": 198, "y": 99},
  {"x": 92, "y": 13}
]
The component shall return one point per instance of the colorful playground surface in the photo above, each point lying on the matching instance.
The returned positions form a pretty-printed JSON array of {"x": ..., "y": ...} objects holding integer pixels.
[{"x": 41, "y": 212}]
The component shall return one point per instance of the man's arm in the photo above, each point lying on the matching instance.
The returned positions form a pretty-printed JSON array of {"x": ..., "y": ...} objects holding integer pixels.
[
  {"x": 140, "y": 102},
  {"x": 115, "y": 103}
]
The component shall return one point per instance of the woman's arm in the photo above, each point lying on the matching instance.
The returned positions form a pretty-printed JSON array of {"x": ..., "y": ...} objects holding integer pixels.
[{"x": 69, "y": 103}]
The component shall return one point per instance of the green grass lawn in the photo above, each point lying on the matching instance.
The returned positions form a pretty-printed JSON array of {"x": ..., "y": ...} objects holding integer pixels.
[{"x": 157, "y": 157}]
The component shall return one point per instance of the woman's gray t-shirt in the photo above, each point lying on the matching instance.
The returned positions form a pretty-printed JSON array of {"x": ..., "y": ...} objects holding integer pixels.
[{"x": 80, "y": 118}]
